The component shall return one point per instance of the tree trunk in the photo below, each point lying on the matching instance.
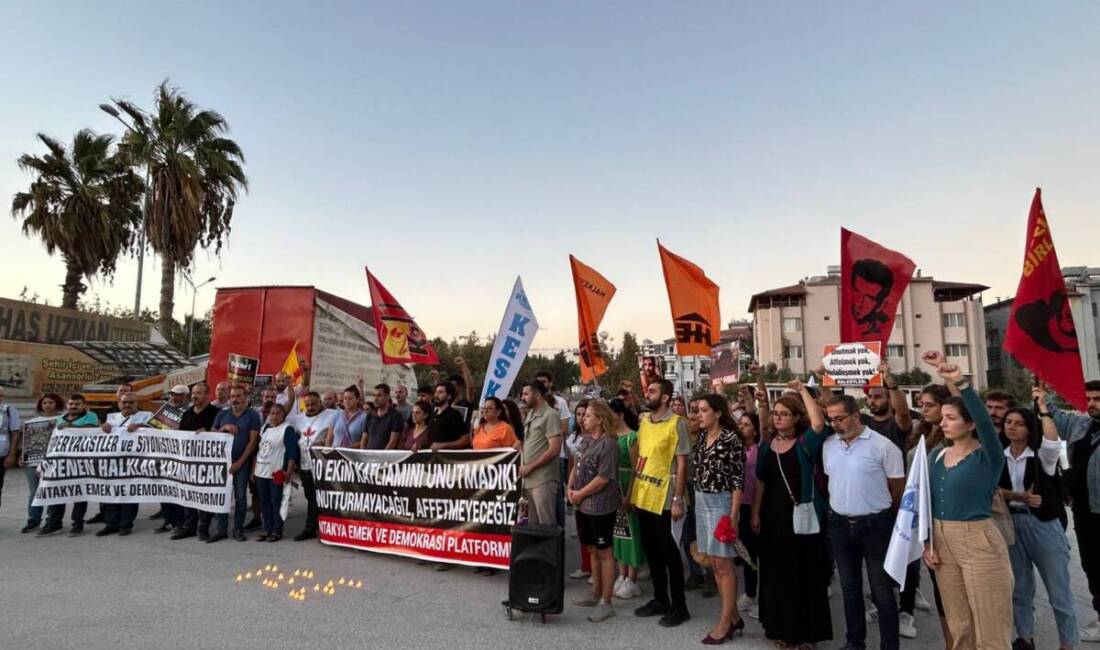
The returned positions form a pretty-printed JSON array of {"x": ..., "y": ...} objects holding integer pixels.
[
  {"x": 74, "y": 287},
  {"x": 167, "y": 298}
]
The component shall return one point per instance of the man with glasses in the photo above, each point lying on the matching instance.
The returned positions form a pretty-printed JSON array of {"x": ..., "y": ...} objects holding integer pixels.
[
  {"x": 119, "y": 517},
  {"x": 866, "y": 473}
]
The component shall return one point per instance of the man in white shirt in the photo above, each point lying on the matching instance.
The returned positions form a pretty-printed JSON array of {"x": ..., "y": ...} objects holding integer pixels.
[
  {"x": 119, "y": 517},
  {"x": 314, "y": 426},
  {"x": 866, "y": 473}
]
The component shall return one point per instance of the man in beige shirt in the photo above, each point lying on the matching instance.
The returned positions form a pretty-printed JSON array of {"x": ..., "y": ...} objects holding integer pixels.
[{"x": 541, "y": 446}]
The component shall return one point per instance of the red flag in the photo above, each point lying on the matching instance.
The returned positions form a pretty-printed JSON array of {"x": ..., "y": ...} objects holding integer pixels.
[
  {"x": 1041, "y": 334},
  {"x": 872, "y": 279},
  {"x": 694, "y": 302},
  {"x": 399, "y": 337}
]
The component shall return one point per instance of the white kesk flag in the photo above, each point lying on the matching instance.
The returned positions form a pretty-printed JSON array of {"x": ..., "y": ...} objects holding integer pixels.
[
  {"x": 517, "y": 330},
  {"x": 913, "y": 527}
]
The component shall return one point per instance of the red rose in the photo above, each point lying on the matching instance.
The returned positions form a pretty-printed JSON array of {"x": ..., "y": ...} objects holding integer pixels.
[
  {"x": 724, "y": 531},
  {"x": 279, "y": 477}
]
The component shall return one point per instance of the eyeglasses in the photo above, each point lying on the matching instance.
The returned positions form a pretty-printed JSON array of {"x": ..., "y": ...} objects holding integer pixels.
[
  {"x": 839, "y": 419},
  {"x": 782, "y": 414}
]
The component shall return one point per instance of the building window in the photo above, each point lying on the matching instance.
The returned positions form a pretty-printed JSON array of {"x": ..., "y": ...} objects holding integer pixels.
[
  {"x": 792, "y": 325},
  {"x": 956, "y": 350},
  {"x": 895, "y": 351},
  {"x": 792, "y": 351},
  {"x": 1094, "y": 314},
  {"x": 954, "y": 320}
]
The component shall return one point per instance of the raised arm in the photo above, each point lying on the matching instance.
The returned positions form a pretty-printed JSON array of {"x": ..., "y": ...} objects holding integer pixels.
[
  {"x": 897, "y": 399},
  {"x": 936, "y": 359},
  {"x": 817, "y": 418},
  {"x": 987, "y": 432}
]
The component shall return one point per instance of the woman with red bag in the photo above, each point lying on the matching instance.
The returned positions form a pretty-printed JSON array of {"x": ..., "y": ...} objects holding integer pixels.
[
  {"x": 719, "y": 477},
  {"x": 276, "y": 459}
]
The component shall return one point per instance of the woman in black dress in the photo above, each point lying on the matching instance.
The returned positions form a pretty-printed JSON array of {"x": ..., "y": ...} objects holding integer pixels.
[{"x": 794, "y": 569}]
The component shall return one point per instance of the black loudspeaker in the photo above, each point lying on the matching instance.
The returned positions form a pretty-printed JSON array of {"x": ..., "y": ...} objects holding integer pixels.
[{"x": 536, "y": 582}]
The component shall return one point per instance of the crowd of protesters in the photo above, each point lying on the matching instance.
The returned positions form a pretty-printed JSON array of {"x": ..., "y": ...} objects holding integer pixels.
[{"x": 775, "y": 497}]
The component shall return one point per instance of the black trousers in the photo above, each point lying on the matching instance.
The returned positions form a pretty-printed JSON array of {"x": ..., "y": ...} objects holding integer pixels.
[
  {"x": 120, "y": 515},
  {"x": 54, "y": 514},
  {"x": 1087, "y": 526},
  {"x": 310, "y": 489},
  {"x": 663, "y": 556}
]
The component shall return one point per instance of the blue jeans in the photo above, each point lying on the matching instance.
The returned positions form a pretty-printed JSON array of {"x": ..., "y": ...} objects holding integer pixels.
[
  {"x": 271, "y": 500},
  {"x": 34, "y": 513},
  {"x": 856, "y": 540},
  {"x": 1041, "y": 545}
]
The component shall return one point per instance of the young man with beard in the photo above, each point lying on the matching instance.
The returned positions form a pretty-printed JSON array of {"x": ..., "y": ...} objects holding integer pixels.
[
  {"x": 1082, "y": 432},
  {"x": 200, "y": 416},
  {"x": 119, "y": 517},
  {"x": 889, "y": 414},
  {"x": 657, "y": 495},
  {"x": 997, "y": 403},
  {"x": 314, "y": 426},
  {"x": 447, "y": 429},
  {"x": 542, "y": 442}
]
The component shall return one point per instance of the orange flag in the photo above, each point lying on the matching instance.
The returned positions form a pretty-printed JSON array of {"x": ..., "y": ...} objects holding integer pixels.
[
  {"x": 593, "y": 293},
  {"x": 291, "y": 367},
  {"x": 694, "y": 301}
]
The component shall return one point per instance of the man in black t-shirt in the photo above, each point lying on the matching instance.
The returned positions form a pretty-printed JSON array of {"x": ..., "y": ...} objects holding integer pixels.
[
  {"x": 889, "y": 414},
  {"x": 199, "y": 417},
  {"x": 447, "y": 430}
]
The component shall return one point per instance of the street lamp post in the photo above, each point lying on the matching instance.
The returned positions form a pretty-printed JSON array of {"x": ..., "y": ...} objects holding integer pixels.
[
  {"x": 113, "y": 112},
  {"x": 194, "y": 290}
]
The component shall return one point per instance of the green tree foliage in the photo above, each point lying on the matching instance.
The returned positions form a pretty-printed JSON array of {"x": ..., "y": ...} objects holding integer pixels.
[
  {"x": 83, "y": 203},
  {"x": 475, "y": 351},
  {"x": 195, "y": 174}
]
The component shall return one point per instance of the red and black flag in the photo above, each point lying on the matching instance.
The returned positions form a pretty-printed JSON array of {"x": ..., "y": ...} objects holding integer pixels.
[
  {"x": 400, "y": 339},
  {"x": 1041, "y": 334},
  {"x": 694, "y": 301},
  {"x": 872, "y": 279}
]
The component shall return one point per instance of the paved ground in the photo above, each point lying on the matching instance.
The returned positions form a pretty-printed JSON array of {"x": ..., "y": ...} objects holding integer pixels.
[{"x": 147, "y": 591}]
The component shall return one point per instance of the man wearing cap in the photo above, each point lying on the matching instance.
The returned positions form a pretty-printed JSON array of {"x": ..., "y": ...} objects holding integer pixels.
[{"x": 119, "y": 517}]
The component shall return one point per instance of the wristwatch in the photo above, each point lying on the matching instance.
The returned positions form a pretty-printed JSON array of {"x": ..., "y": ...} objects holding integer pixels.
[{"x": 676, "y": 499}]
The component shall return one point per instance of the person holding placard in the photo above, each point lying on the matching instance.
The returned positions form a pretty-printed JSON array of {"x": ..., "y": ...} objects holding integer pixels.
[
  {"x": 48, "y": 407},
  {"x": 76, "y": 415}
]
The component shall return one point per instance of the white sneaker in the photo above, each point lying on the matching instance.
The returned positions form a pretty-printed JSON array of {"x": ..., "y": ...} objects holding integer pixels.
[
  {"x": 628, "y": 590},
  {"x": 589, "y": 581},
  {"x": 618, "y": 583},
  {"x": 922, "y": 602},
  {"x": 906, "y": 628},
  {"x": 745, "y": 602},
  {"x": 578, "y": 574},
  {"x": 1091, "y": 632},
  {"x": 754, "y": 612},
  {"x": 872, "y": 615}
]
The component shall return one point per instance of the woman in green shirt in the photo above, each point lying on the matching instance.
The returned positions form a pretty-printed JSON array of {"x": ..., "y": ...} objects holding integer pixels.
[
  {"x": 968, "y": 553},
  {"x": 626, "y": 545}
]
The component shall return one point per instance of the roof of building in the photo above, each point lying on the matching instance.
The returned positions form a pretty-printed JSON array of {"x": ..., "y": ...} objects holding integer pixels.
[
  {"x": 948, "y": 291},
  {"x": 795, "y": 290}
]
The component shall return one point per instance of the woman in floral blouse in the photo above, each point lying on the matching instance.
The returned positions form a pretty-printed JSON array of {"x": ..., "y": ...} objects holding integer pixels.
[{"x": 719, "y": 477}]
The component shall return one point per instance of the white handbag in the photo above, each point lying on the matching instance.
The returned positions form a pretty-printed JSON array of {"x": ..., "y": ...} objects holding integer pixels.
[{"x": 804, "y": 517}]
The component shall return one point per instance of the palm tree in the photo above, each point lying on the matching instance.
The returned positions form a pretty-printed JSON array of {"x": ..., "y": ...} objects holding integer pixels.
[
  {"x": 83, "y": 203},
  {"x": 194, "y": 175}
]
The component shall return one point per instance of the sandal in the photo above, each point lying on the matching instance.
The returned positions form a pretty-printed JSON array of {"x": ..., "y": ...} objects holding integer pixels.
[{"x": 262, "y": 537}]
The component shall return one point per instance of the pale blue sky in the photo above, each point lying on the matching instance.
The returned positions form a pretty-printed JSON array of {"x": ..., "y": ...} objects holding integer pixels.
[{"x": 451, "y": 146}]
